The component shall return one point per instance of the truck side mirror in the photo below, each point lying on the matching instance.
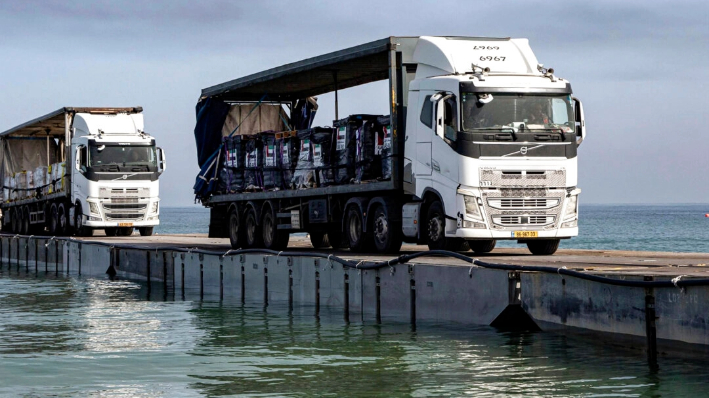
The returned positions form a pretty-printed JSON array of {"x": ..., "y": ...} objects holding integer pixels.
[
  {"x": 580, "y": 122},
  {"x": 162, "y": 162}
]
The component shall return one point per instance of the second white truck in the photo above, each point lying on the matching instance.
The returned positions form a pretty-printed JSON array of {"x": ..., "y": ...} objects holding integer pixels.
[{"x": 77, "y": 170}]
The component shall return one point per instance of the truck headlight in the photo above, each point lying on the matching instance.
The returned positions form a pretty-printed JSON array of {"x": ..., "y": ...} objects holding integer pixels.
[
  {"x": 154, "y": 208},
  {"x": 471, "y": 207},
  {"x": 93, "y": 208},
  {"x": 571, "y": 207}
]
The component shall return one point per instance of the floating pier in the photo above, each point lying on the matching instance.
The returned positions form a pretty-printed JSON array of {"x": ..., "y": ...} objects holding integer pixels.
[{"x": 657, "y": 299}]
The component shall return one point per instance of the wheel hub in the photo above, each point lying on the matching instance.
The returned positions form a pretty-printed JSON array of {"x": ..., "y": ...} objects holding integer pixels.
[
  {"x": 381, "y": 228},
  {"x": 434, "y": 228}
]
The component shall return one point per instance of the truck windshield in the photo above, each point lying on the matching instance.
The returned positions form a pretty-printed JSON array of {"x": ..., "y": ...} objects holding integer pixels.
[
  {"x": 517, "y": 112},
  {"x": 121, "y": 155}
]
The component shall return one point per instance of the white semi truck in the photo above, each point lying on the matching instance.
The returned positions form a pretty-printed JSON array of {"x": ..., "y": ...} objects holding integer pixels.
[
  {"x": 76, "y": 170},
  {"x": 484, "y": 147}
]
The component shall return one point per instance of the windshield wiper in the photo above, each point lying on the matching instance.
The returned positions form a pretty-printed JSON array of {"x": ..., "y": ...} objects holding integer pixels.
[{"x": 503, "y": 129}]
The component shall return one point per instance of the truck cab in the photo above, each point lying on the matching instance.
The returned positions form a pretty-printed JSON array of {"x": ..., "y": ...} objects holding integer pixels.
[
  {"x": 491, "y": 139},
  {"x": 115, "y": 174}
]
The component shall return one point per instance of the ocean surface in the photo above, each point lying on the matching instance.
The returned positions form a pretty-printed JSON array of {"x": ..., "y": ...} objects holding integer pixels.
[
  {"x": 73, "y": 336},
  {"x": 669, "y": 228}
]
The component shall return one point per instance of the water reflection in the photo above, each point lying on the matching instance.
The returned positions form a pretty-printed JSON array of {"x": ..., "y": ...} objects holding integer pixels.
[{"x": 91, "y": 337}]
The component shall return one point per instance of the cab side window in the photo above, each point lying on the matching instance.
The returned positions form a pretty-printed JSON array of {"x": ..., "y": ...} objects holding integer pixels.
[
  {"x": 427, "y": 112},
  {"x": 450, "y": 119}
]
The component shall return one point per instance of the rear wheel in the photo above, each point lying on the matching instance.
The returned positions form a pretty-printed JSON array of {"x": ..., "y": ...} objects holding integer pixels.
[
  {"x": 253, "y": 230},
  {"x": 111, "y": 231},
  {"x": 53, "y": 220},
  {"x": 125, "y": 231},
  {"x": 386, "y": 233},
  {"x": 319, "y": 240},
  {"x": 354, "y": 230},
  {"x": 62, "y": 223},
  {"x": 145, "y": 231},
  {"x": 13, "y": 221},
  {"x": 336, "y": 237},
  {"x": 482, "y": 246},
  {"x": 236, "y": 229},
  {"x": 543, "y": 246},
  {"x": 272, "y": 238},
  {"x": 25, "y": 221}
]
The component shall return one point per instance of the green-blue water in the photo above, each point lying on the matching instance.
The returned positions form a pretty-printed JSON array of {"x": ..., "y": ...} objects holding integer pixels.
[
  {"x": 71, "y": 337},
  {"x": 68, "y": 336}
]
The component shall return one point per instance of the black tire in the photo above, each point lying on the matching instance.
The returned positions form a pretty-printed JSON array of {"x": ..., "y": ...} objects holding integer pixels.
[
  {"x": 125, "y": 231},
  {"x": 336, "y": 238},
  {"x": 79, "y": 227},
  {"x": 354, "y": 230},
  {"x": 386, "y": 233},
  {"x": 145, "y": 231},
  {"x": 13, "y": 221},
  {"x": 252, "y": 229},
  {"x": 111, "y": 231},
  {"x": 482, "y": 246},
  {"x": 319, "y": 240},
  {"x": 273, "y": 239},
  {"x": 62, "y": 220},
  {"x": 236, "y": 229},
  {"x": 25, "y": 229},
  {"x": 543, "y": 247},
  {"x": 53, "y": 220},
  {"x": 436, "y": 230}
]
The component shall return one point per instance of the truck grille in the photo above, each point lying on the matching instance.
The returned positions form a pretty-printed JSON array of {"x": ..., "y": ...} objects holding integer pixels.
[
  {"x": 523, "y": 220},
  {"x": 523, "y": 203},
  {"x": 513, "y": 207}
]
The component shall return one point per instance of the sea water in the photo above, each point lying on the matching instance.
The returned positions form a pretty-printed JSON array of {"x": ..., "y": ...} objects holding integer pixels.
[{"x": 74, "y": 336}]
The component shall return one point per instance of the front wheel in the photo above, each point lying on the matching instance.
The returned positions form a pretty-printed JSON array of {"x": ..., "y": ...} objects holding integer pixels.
[
  {"x": 145, "y": 231},
  {"x": 543, "y": 247},
  {"x": 482, "y": 246},
  {"x": 436, "y": 233},
  {"x": 81, "y": 230}
]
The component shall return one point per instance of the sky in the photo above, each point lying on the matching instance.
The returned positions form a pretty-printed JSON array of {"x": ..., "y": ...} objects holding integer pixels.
[{"x": 639, "y": 67}]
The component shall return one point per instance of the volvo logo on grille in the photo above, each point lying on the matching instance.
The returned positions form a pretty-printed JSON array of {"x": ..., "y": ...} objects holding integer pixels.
[{"x": 523, "y": 150}]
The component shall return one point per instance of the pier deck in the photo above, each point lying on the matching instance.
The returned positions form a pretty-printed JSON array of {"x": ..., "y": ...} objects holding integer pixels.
[
  {"x": 603, "y": 261},
  {"x": 426, "y": 289}
]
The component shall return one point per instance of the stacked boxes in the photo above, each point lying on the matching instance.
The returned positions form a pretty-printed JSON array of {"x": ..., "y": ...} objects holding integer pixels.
[
  {"x": 288, "y": 148},
  {"x": 253, "y": 167},
  {"x": 56, "y": 181},
  {"x": 357, "y": 150},
  {"x": 272, "y": 172},
  {"x": 231, "y": 176},
  {"x": 383, "y": 145}
]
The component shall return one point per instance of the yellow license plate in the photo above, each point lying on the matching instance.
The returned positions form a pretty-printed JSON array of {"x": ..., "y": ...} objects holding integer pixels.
[
  {"x": 125, "y": 224},
  {"x": 526, "y": 234}
]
